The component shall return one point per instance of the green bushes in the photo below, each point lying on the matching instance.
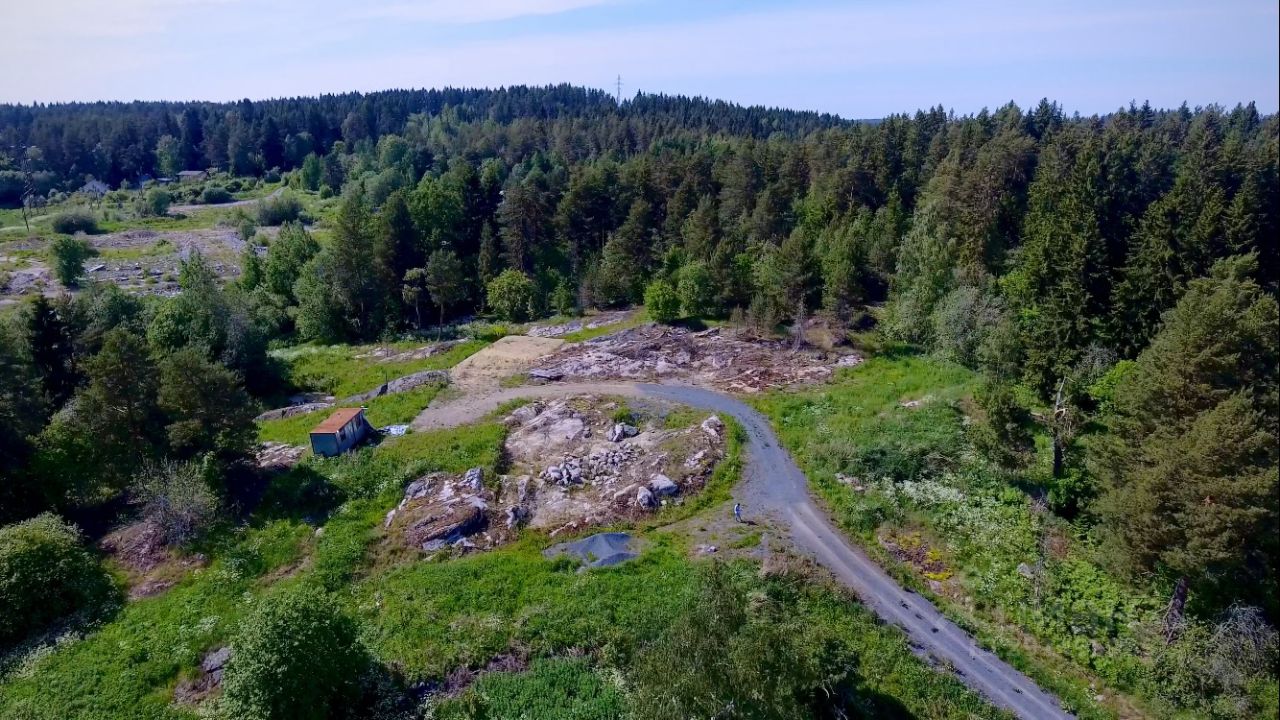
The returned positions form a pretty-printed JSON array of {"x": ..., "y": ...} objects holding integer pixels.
[
  {"x": 296, "y": 656},
  {"x": 74, "y": 221},
  {"x": 68, "y": 255},
  {"x": 661, "y": 301},
  {"x": 697, "y": 290},
  {"x": 215, "y": 195},
  {"x": 279, "y": 209},
  {"x": 565, "y": 689},
  {"x": 509, "y": 295},
  {"x": 46, "y": 575},
  {"x": 155, "y": 203}
]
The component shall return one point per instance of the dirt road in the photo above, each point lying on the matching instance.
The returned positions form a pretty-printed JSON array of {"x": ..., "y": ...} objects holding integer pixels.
[{"x": 773, "y": 486}]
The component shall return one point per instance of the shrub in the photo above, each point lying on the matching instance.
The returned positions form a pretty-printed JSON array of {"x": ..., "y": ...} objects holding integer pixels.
[
  {"x": 326, "y": 192},
  {"x": 246, "y": 229},
  {"x": 697, "y": 290},
  {"x": 509, "y": 295},
  {"x": 215, "y": 195},
  {"x": 662, "y": 302},
  {"x": 176, "y": 500},
  {"x": 271, "y": 176},
  {"x": 154, "y": 203},
  {"x": 563, "y": 300},
  {"x": 68, "y": 255},
  {"x": 740, "y": 650},
  {"x": 279, "y": 209},
  {"x": 45, "y": 575},
  {"x": 75, "y": 221},
  {"x": 296, "y": 656}
]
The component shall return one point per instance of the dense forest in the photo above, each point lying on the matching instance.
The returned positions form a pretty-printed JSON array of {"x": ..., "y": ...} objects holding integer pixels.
[{"x": 1113, "y": 278}]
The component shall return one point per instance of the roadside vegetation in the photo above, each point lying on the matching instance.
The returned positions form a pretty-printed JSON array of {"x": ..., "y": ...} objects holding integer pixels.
[{"x": 1064, "y": 429}]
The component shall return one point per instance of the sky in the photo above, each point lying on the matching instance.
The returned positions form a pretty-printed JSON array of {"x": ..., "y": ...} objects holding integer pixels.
[{"x": 857, "y": 59}]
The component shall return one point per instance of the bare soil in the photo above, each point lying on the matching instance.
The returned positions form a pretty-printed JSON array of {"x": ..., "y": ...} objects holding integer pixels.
[{"x": 506, "y": 357}]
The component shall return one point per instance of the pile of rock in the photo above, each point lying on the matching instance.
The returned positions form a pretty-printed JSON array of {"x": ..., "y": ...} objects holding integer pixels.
[{"x": 731, "y": 359}]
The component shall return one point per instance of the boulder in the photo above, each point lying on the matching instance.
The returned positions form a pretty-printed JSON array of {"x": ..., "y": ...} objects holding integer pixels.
[
  {"x": 645, "y": 499},
  {"x": 548, "y": 375},
  {"x": 620, "y": 432},
  {"x": 713, "y": 426},
  {"x": 516, "y": 516},
  {"x": 213, "y": 663},
  {"x": 663, "y": 486},
  {"x": 418, "y": 488},
  {"x": 475, "y": 479}
]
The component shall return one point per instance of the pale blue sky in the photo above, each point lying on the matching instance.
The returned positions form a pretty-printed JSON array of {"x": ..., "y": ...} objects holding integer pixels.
[{"x": 857, "y": 59}]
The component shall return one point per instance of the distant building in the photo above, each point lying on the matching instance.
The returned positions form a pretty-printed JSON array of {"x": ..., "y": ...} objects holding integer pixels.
[
  {"x": 340, "y": 432},
  {"x": 189, "y": 176}
]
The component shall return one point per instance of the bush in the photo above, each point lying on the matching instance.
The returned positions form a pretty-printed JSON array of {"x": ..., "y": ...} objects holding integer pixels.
[
  {"x": 697, "y": 290},
  {"x": 215, "y": 195},
  {"x": 271, "y": 176},
  {"x": 296, "y": 656},
  {"x": 662, "y": 302},
  {"x": 176, "y": 500},
  {"x": 279, "y": 209},
  {"x": 45, "y": 575},
  {"x": 326, "y": 192},
  {"x": 509, "y": 295},
  {"x": 154, "y": 203},
  {"x": 68, "y": 255},
  {"x": 75, "y": 221}
]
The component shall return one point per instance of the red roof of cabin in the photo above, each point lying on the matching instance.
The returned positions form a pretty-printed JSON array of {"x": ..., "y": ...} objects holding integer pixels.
[{"x": 336, "y": 421}]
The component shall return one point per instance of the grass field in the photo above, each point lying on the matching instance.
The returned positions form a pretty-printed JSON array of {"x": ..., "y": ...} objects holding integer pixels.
[
  {"x": 340, "y": 371},
  {"x": 396, "y": 409}
]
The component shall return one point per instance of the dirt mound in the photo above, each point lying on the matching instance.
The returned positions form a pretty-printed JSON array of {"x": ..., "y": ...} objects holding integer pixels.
[
  {"x": 508, "y": 356},
  {"x": 733, "y": 360}
]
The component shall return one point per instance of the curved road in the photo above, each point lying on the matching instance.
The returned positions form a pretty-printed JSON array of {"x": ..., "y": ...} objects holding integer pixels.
[{"x": 773, "y": 485}]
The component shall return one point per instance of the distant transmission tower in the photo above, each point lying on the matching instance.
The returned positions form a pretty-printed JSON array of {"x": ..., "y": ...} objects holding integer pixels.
[{"x": 619, "y": 89}]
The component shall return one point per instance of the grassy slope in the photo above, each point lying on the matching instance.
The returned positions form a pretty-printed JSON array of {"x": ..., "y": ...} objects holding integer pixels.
[
  {"x": 338, "y": 370},
  {"x": 428, "y": 617},
  {"x": 395, "y": 409},
  {"x": 931, "y": 486}
]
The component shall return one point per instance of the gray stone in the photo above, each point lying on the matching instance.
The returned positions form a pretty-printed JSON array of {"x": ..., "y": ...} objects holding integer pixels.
[
  {"x": 713, "y": 426},
  {"x": 663, "y": 486},
  {"x": 620, "y": 432},
  {"x": 418, "y": 488},
  {"x": 215, "y": 661},
  {"x": 548, "y": 375},
  {"x": 475, "y": 479},
  {"x": 516, "y": 516},
  {"x": 645, "y": 499}
]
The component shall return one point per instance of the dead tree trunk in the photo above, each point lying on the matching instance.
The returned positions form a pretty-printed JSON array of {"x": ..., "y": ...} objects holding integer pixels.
[
  {"x": 1061, "y": 430},
  {"x": 1173, "y": 615}
]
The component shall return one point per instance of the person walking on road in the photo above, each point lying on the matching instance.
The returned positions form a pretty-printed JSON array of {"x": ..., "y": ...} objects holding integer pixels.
[{"x": 737, "y": 511}]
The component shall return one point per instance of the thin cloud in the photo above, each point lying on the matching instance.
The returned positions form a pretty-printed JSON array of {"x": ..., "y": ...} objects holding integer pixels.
[{"x": 453, "y": 12}]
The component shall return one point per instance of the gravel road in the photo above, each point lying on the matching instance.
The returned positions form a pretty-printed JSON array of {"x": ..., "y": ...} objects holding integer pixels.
[{"x": 773, "y": 486}]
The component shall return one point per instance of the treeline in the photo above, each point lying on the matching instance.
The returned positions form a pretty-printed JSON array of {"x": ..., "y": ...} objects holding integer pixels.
[
  {"x": 57, "y": 147},
  {"x": 1122, "y": 269}
]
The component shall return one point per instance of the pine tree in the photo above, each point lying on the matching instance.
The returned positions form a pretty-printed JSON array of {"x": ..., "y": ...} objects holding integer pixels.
[{"x": 1189, "y": 465}]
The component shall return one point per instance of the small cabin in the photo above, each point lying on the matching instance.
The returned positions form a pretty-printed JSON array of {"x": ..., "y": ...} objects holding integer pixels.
[
  {"x": 340, "y": 432},
  {"x": 190, "y": 176}
]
